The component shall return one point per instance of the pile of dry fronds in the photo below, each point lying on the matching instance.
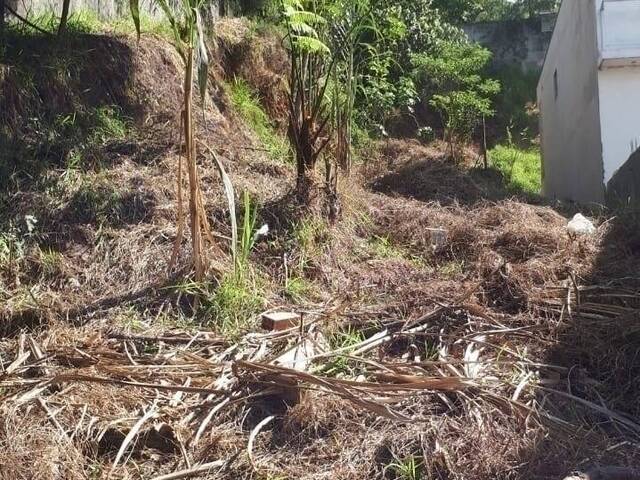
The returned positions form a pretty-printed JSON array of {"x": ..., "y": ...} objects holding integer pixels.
[{"x": 195, "y": 403}]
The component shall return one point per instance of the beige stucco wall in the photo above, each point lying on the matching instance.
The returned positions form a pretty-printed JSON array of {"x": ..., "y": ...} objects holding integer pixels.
[{"x": 570, "y": 117}]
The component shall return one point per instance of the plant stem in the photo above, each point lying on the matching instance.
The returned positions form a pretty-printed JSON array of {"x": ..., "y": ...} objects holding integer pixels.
[
  {"x": 194, "y": 208},
  {"x": 64, "y": 17}
]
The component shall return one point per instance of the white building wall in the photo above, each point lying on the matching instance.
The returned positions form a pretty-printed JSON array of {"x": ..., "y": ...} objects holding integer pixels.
[
  {"x": 618, "y": 35},
  {"x": 619, "y": 116},
  {"x": 569, "y": 107}
]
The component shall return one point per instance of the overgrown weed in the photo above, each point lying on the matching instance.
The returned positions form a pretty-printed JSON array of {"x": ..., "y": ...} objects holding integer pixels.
[
  {"x": 86, "y": 21},
  {"x": 340, "y": 366},
  {"x": 310, "y": 236},
  {"x": 297, "y": 289},
  {"x": 233, "y": 304},
  {"x": 408, "y": 468},
  {"x": 237, "y": 298}
]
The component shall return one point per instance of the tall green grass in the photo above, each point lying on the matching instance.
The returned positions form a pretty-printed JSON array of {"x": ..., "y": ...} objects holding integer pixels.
[
  {"x": 248, "y": 105},
  {"x": 521, "y": 168},
  {"x": 87, "y": 21}
]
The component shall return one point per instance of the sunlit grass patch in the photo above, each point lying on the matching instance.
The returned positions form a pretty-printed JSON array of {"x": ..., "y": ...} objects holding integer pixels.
[
  {"x": 248, "y": 105},
  {"x": 521, "y": 168}
]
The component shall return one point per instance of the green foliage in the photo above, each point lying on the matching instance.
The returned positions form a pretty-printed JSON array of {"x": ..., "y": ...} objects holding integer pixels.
[
  {"x": 522, "y": 169},
  {"x": 496, "y": 10},
  {"x": 232, "y": 305},
  {"x": 130, "y": 320},
  {"x": 248, "y": 104},
  {"x": 340, "y": 365},
  {"x": 79, "y": 22},
  {"x": 107, "y": 124},
  {"x": 402, "y": 29},
  {"x": 310, "y": 235},
  {"x": 237, "y": 298},
  {"x": 70, "y": 140},
  {"x": 97, "y": 202},
  {"x": 12, "y": 246},
  {"x": 312, "y": 65},
  {"x": 451, "y": 77},
  {"x": 426, "y": 134},
  {"x": 16, "y": 237},
  {"x": 297, "y": 288},
  {"x": 247, "y": 234},
  {"x": 50, "y": 262},
  {"x": 460, "y": 11},
  {"x": 452, "y": 269},
  {"x": 97, "y": 199},
  {"x": 409, "y": 468},
  {"x": 304, "y": 24},
  {"x": 148, "y": 24},
  {"x": 515, "y": 104},
  {"x": 85, "y": 21},
  {"x": 229, "y": 306},
  {"x": 382, "y": 247}
]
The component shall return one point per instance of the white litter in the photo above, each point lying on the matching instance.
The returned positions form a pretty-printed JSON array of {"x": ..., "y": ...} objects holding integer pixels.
[{"x": 581, "y": 225}]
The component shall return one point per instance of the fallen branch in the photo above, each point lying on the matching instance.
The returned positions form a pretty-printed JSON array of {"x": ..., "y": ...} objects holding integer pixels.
[
  {"x": 192, "y": 472},
  {"x": 171, "y": 340},
  {"x": 110, "y": 381},
  {"x": 25, "y": 21}
]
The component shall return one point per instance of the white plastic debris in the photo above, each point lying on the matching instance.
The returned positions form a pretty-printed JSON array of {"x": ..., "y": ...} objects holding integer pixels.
[
  {"x": 263, "y": 231},
  {"x": 581, "y": 225}
]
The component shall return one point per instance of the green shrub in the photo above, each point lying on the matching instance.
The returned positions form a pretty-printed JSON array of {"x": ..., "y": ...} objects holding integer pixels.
[
  {"x": 409, "y": 468},
  {"x": 297, "y": 288},
  {"x": 80, "y": 21},
  {"x": 87, "y": 21},
  {"x": 340, "y": 365},
  {"x": 399, "y": 30},
  {"x": 107, "y": 123},
  {"x": 451, "y": 80},
  {"x": 233, "y": 304}
]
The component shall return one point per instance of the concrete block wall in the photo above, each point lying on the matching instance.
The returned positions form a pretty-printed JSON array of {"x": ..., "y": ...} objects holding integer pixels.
[{"x": 520, "y": 42}]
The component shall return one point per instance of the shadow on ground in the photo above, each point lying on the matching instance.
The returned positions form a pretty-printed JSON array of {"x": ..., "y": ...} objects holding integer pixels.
[
  {"x": 599, "y": 350},
  {"x": 427, "y": 175},
  {"x": 73, "y": 101}
]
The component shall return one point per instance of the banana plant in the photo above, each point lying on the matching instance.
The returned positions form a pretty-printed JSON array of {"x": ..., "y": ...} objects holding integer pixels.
[
  {"x": 326, "y": 46},
  {"x": 189, "y": 40},
  {"x": 311, "y": 66},
  {"x": 352, "y": 25}
]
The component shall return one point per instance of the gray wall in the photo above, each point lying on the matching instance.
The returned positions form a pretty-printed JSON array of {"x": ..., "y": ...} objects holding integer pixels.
[
  {"x": 522, "y": 42},
  {"x": 569, "y": 107}
]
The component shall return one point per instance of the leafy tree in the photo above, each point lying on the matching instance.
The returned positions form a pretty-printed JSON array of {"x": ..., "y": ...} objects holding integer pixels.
[
  {"x": 459, "y": 11},
  {"x": 405, "y": 28},
  {"x": 451, "y": 77},
  {"x": 351, "y": 22},
  {"x": 312, "y": 64},
  {"x": 493, "y": 10},
  {"x": 327, "y": 46}
]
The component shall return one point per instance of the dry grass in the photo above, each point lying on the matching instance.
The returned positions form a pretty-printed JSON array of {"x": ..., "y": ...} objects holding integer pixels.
[{"x": 506, "y": 350}]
